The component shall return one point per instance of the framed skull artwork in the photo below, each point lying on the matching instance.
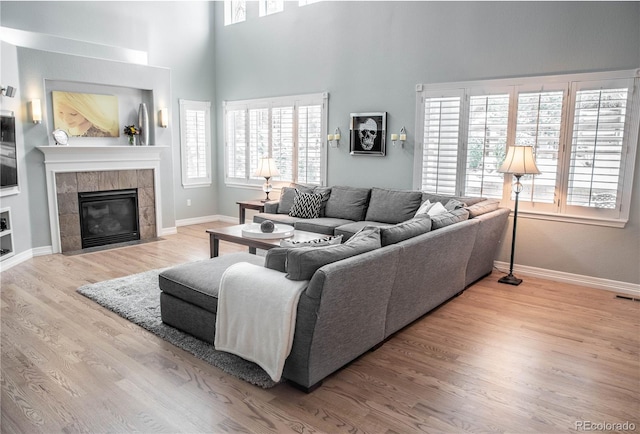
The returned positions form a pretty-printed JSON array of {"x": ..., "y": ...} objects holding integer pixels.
[{"x": 368, "y": 133}]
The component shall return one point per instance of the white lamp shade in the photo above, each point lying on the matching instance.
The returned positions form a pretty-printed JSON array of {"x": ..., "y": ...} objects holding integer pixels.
[
  {"x": 520, "y": 161},
  {"x": 267, "y": 168}
]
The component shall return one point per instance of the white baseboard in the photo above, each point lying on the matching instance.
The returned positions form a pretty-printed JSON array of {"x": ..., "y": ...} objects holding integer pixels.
[
  {"x": 206, "y": 219},
  {"x": 168, "y": 231},
  {"x": 576, "y": 279},
  {"x": 24, "y": 256}
]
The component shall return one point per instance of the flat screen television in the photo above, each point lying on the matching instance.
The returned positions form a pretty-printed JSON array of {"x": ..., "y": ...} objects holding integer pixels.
[{"x": 8, "y": 160}]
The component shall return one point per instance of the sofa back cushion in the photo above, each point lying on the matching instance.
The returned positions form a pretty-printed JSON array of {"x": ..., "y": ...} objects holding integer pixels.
[
  {"x": 483, "y": 207},
  {"x": 276, "y": 258},
  {"x": 405, "y": 230},
  {"x": 392, "y": 206},
  {"x": 349, "y": 203},
  {"x": 303, "y": 262},
  {"x": 448, "y": 218},
  {"x": 443, "y": 198}
]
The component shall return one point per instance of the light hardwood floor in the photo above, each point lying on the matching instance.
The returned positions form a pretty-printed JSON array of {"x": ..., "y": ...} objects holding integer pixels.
[{"x": 541, "y": 357}]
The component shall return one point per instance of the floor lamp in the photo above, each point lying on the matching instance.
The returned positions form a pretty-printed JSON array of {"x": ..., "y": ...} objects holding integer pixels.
[{"x": 519, "y": 161}]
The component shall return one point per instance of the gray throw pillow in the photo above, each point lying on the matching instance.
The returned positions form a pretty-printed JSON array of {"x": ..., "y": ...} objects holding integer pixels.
[
  {"x": 287, "y": 197},
  {"x": 449, "y": 218},
  {"x": 405, "y": 230},
  {"x": 325, "y": 192},
  {"x": 392, "y": 206},
  {"x": 348, "y": 203},
  {"x": 302, "y": 263},
  {"x": 454, "y": 204}
]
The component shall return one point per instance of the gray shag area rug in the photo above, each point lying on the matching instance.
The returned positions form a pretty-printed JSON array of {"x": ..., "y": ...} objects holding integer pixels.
[{"x": 137, "y": 299}]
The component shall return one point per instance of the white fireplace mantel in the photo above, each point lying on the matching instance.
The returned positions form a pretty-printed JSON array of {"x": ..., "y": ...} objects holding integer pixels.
[{"x": 61, "y": 159}]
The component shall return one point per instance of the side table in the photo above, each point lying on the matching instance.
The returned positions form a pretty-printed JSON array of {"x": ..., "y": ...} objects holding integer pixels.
[{"x": 244, "y": 205}]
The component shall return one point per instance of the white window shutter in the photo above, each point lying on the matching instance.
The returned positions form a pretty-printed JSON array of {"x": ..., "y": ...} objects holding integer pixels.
[
  {"x": 539, "y": 124},
  {"x": 258, "y": 138},
  {"x": 486, "y": 145},
  {"x": 282, "y": 142},
  {"x": 195, "y": 135},
  {"x": 440, "y": 143},
  {"x": 597, "y": 149},
  {"x": 309, "y": 144},
  {"x": 236, "y": 144}
]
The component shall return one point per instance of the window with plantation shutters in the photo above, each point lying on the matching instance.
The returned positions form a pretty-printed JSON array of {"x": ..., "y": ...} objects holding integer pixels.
[
  {"x": 583, "y": 129},
  {"x": 539, "y": 124},
  {"x": 486, "y": 145},
  {"x": 597, "y": 146},
  {"x": 310, "y": 144},
  {"x": 440, "y": 146},
  {"x": 195, "y": 143},
  {"x": 287, "y": 129}
]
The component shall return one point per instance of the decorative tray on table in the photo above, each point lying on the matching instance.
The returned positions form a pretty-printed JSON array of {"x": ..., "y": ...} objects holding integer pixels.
[{"x": 252, "y": 230}]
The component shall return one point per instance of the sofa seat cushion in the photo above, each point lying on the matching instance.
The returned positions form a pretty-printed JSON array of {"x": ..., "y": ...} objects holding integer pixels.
[
  {"x": 284, "y": 219},
  {"x": 350, "y": 229},
  {"x": 347, "y": 203},
  {"x": 320, "y": 225},
  {"x": 198, "y": 282},
  {"x": 392, "y": 206}
]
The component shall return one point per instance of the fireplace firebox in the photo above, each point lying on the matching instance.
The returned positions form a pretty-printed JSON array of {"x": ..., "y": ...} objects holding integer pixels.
[{"x": 108, "y": 217}]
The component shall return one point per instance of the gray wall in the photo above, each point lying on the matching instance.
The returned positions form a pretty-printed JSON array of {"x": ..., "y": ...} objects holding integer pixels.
[{"x": 369, "y": 56}]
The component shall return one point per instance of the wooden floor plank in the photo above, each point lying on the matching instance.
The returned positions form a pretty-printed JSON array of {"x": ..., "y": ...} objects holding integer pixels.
[{"x": 539, "y": 357}]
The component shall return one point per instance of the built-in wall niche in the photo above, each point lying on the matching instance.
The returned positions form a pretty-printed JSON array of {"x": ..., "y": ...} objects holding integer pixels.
[{"x": 117, "y": 102}]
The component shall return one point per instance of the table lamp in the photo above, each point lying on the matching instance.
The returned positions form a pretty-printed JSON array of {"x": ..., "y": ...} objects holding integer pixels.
[{"x": 267, "y": 169}]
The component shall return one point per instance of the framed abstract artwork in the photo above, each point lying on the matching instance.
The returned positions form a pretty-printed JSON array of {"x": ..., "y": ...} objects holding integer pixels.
[{"x": 85, "y": 114}]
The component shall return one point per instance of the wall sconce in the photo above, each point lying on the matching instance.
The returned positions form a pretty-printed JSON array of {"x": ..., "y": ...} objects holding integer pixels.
[
  {"x": 36, "y": 111},
  {"x": 334, "y": 139},
  {"x": 164, "y": 117},
  {"x": 399, "y": 138},
  {"x": 9, "y": 91}
]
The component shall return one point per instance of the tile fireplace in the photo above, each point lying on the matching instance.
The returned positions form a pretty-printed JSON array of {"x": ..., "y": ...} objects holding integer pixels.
[{"x": 72, "y": 170}]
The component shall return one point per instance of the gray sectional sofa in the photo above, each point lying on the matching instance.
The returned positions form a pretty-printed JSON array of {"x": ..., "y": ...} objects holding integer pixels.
[{"x": 399, "y": 269}]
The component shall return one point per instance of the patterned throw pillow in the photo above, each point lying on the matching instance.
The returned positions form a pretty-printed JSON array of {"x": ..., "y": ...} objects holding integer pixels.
[
  {"x": 318, "y": 242},
  {"x": 306, "y": 205}
]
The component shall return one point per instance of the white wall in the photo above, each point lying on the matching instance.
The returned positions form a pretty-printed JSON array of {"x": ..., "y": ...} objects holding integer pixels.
[{"x": 369, "y": 56}]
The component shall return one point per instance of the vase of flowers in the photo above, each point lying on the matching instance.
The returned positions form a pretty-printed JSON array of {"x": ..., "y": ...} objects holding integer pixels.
[{"x": 132, "y": 132}]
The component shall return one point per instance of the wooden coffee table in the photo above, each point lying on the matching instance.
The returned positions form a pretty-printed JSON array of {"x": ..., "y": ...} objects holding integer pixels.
[{"x": 233, "y": 234}]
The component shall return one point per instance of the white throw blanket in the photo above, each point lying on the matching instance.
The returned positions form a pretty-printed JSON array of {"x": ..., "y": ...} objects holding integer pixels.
[{"x": 257, "y": 315}]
